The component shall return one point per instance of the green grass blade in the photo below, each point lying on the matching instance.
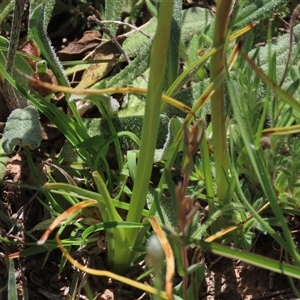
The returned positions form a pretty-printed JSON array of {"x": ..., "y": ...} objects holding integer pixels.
[
  {"x": 151, "y": 121},
  {"x": 282, "y": 94},
  {"x": 259, "y": 166},
  {"x": 251, "y": 258},
  {"x": 217, "y": 101},
  {"x": 12, "y": 285},
  {"x": 5, "y": 7}
]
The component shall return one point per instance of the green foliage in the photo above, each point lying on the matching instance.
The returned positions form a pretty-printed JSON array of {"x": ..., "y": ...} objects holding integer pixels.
[
  {"x": 113, "y": 11},
  {"x": 38, "y": 31},
  {"x": 252, "y": 11},
  {"x": 20, "y": 63},
  {"x": 47, "y": 10},
  {"x": 137, "y": 67},
  {"x": 5, "y": 8},
  {"x": 12, "y": 285},
  {"x": 195, "y": 21},
  {"x": 3, "y": 161},
  {"x": 130, "y": 124},
  {"x": 286, "y": 173},
  {"x": 261, "y": 171},
  {"x": 23, "y": 129}
]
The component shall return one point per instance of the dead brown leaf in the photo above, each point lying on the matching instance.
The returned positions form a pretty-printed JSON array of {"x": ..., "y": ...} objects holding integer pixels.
[{"x": 77, "y": 49}]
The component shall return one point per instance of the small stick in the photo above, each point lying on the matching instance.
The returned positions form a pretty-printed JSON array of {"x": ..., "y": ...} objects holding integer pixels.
[
  {"x": 126, "y": 24},
  {"x": 113, "y": 38},
  {"x": 8, "y": 91}
]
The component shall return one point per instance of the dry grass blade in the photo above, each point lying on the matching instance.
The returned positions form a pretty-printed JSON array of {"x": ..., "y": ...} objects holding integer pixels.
[
  {"x": 169, "y": 256},
  {"x": 63, "y": 217},
  {"x": 132, "y": 90},
  {"x": 108, "y": 274}
]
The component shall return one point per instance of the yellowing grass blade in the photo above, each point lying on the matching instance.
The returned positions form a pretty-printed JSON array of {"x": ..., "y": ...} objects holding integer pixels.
[
  {"x": 169, "y": 256},
  {"x": 241, "y": 31},
  {"x": 64, "y": 216},
  {"x": 125, "y": 280},
  {"x": 282, "y": 130},
  {"x": 232, "y": 228},
  {"x": 132, "y": 90}
]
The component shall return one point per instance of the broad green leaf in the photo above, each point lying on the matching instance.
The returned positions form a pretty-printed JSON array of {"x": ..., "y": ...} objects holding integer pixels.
[
  {"x": 174, "y": 126},
  {"x": 195, "y": 20},
  {"x": 22, "y": 128},
  {"x": 137, "y": 40},
  {"x": 136, "y": 68},
  {"x": 173, "y": 48},
  {"x": 131, "y": 123},
  {"x": 113, "y": 11}
]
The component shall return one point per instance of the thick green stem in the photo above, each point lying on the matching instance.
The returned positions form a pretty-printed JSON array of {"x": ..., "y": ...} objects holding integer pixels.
[
  {"x": 217, "y": 100},
  {"x": 151, "y": 120}
]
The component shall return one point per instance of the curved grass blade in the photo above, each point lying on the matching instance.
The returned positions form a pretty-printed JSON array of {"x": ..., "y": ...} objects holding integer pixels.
[
  {"x": 132, "y": 90},
  {"x": 135, "y": 284},
  {"x": 169, "y": 256},
  {"x": 250, "y": 258}
]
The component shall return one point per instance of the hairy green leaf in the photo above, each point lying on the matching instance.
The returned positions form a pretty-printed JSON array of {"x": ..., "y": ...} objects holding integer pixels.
[
  {"x": 132, "y": 123},
  {"x": 22, "y": 128},
  {"x": 136, "y": 68},
  {"x": 38, "y": 31},
  {"x": 113, "y": 10},
  {"x": 48, "y": 8},
  {"x": 255, "y": 10},
  {"x": 195, "y": 20}
]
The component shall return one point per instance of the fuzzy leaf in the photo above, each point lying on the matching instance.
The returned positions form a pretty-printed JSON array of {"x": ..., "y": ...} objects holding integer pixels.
[
  {"x": 174, "y": 126},
  {"x": 255, "y": 10},
  {"x": 195, "y": 20},
  {"x": 134, "y": 70},
  {"x": 22, "y": 128},
  {"x": 281, "y": 47},
  {"x": 279, "y": 52},
  {"x": 38, "y": 31},
  {"x": 137, "y": 40},
  {"x": 126, "y": 123},
  {"x": 173, "y": 48},
  {"x": 113, "y": 11},
  {"x": 48, "y": 8}
]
